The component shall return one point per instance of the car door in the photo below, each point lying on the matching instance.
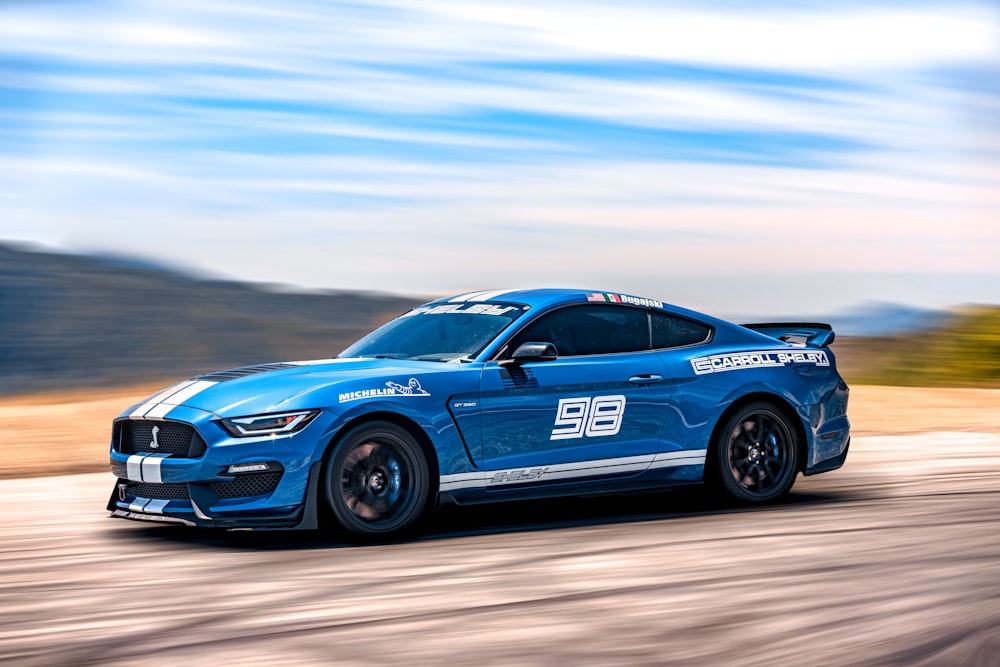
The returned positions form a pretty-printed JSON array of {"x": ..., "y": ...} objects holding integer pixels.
[{"x": 594, "y": 411}]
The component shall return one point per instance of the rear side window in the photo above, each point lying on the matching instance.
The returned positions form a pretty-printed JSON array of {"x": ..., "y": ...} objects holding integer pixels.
[
  {"x": 591, "y": 329},
  {"x": 673, "y": 331}
]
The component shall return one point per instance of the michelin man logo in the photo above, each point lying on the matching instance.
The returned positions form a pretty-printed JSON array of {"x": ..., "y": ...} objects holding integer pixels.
[{"x": 412, "y": 388}]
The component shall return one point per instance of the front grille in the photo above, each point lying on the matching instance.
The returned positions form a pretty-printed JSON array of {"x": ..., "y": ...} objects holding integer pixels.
[
  {"x": 255, "y": 484},
  {"x": 158, "y": 491},
  {"x": 151, "y": 437}
]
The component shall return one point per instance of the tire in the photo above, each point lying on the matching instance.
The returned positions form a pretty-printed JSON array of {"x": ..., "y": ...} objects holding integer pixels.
[
  {"x": 756, "y": 455},
  {"x": 376, "y": 481}
]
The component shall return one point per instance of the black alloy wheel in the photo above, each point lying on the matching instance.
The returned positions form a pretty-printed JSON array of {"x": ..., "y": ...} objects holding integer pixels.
[
  {"x": 377, "y": 481},
  {"x": 757, "y": 455}
]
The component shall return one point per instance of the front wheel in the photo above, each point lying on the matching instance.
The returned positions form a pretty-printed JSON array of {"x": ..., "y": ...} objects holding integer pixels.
[
  {"x": 376, "y": 480},
  {"x": 756, "y": 455}
]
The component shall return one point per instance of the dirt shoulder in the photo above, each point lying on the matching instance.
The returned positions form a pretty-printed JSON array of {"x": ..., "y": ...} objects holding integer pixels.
[
  {"x": 57, "y": 434},
  {"x": 877, "y": 410}
]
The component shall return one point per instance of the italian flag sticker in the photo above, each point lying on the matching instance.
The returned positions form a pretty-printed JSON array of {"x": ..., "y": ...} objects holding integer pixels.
[{"x": 605, "y": 298}]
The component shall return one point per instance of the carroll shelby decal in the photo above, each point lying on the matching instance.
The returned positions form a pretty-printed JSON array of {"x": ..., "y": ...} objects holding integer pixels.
[{"x": 717, "y": 363}]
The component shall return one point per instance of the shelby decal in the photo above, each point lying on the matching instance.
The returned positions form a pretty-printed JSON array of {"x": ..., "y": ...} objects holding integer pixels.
[
  {"x": 508, "y": 476},
  {"x": 718, "y": 363},
  {"x": 456, "y": 308},
  {"x": 624, "y": 298},
  {"x": 412, "y": 388},
  {"x": 588, "y": 416}
]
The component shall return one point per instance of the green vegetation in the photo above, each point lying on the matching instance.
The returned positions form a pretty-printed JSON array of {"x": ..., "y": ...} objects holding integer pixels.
[{"x": 964, "y": 352}]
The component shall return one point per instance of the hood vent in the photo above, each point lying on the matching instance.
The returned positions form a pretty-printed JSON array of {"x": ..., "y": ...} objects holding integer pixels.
[{"x": 235, "y": 373}]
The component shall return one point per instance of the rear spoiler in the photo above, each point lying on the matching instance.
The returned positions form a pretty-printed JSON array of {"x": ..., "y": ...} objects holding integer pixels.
[{"x": 813, "y": 334}]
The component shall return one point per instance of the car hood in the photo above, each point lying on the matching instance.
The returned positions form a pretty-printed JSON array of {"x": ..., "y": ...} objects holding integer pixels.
[{"x": 278, "y": 387}]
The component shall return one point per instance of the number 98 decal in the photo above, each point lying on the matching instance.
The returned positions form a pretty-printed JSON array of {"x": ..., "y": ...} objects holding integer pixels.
[{"x": 588, "y": 416}]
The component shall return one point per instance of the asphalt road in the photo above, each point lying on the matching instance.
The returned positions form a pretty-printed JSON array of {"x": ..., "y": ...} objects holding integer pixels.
[{"x": 892, "y": 560}]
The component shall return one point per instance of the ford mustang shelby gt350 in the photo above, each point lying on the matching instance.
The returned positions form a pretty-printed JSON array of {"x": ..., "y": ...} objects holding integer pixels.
[{"x": 483, "y": 397}]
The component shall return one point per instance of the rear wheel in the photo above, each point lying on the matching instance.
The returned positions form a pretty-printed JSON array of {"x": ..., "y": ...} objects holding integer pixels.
[
  {"x": 376, "y": 480},
  {"x": 757, "y": 455}
]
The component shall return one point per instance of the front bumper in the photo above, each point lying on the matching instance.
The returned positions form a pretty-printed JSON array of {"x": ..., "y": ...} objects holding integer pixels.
[
  {"x": 187, "y": 512},
  {"x": 200, "y": 488}
]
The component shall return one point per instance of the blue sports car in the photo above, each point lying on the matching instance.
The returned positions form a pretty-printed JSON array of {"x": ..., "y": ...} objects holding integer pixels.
[{"x": 484, "y": 397}]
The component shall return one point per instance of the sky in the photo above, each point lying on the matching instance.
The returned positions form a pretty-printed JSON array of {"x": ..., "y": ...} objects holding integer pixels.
[{"x": 773, "y": 157}]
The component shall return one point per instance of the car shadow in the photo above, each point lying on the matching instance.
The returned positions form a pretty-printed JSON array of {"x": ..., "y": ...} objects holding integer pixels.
[{"x": 520, "y": 516}]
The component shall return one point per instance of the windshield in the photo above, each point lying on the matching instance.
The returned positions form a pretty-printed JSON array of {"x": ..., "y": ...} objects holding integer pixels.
[{"x": 446, "y": 332}]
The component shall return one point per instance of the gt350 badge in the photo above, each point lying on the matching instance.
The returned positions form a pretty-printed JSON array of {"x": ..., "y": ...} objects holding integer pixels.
[{"x": 717, "y": 363}]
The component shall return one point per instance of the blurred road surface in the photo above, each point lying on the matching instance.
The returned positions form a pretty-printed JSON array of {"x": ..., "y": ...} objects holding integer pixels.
[{"x": 893, "y": 560}]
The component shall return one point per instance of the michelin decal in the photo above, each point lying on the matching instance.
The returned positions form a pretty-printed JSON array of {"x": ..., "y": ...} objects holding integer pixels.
[
  {"x": 718, "y": 363},
  {"x": 411, "y": 388}
]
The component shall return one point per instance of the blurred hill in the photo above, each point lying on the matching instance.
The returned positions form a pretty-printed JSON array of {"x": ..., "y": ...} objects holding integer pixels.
[
  {"x": 961, "y": 351},
  {"x": 69, "y": 321},
  {"x": 877, "y": 318}
]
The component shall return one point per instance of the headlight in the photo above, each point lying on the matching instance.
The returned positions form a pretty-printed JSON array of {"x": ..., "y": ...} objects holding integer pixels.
[{"x": 279, "y": 424}]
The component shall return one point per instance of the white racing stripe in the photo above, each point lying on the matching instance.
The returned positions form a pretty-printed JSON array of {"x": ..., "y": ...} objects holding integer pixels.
[
  {"x": 685, "y": 457},
  {"x": 178, "y": 398},
  {"x": 151, "y": 468},
  {"x": 138, "y": 505},
  {"x": 163, "y": 395},
  {"x": 567, "y": 471},
  {"x": 676, "y": 463},
  {"x": 463, "y": 480},
  {"x": 316, "y": 362},
  {"x": 536, "y": 473},
  {"x": 155, "y": 506},
  {"x": 144, "y": 468},
  {"x": 485, "y": 295},
  {"x": 465, "y": 297},
  {"x": 147, "y": 506},
  {"x": 133, "y": 467}
]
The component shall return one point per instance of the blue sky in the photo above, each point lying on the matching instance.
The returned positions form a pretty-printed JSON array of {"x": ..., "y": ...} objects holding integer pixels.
[{"x": 790, "y": 157}]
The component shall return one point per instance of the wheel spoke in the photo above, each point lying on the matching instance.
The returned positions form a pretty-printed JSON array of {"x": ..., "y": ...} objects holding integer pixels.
[
  {"x": 774, "y": 467},
  {"x": 360, "y": 507}
]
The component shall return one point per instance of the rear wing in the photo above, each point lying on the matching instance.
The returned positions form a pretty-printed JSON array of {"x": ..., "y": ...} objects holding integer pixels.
[{"x": 811, "y": 334}]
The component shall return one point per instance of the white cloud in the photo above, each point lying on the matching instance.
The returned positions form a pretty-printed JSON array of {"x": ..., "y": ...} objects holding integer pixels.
[
  {"x": 175, "y": 94},
  {"x": 764, "y": 37}
]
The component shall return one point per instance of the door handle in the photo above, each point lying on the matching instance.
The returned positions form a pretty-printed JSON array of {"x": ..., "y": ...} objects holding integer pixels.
[{"x": 648, "y": 378}]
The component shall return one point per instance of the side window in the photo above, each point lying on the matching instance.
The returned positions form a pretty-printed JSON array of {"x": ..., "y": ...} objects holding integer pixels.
[
  {"x": 673, "y": 331},
  {"x": 589, "y": 329}
]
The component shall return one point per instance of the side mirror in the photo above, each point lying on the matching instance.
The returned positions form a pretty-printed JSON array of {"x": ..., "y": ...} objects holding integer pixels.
[{"x": 534, "y": 352}]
